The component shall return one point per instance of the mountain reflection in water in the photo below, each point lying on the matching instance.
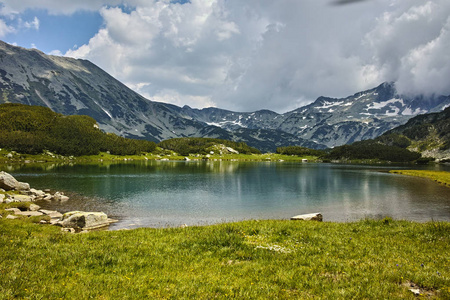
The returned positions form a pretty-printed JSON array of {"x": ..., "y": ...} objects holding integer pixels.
[{"x": 170, "y": 193}]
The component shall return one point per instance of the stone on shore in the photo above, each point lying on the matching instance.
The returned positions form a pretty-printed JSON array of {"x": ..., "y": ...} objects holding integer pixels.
[
  {"x": 29, "y": 213},
  {"x": 60, "y": 197},
  {"x": 22, "y": 198},
  {"x": 309, "y": 217},
  {"x": 52, "y": 213},
  {"x": 34, "y": 207},
  {"x": 8, "y": 183},
  {"x": 84, "y": 220}
]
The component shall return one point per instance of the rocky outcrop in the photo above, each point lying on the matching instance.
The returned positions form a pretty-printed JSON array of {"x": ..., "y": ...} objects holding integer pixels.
[
  {"x": 8, "y": 183},
  {"x": 74, "y": 221}
]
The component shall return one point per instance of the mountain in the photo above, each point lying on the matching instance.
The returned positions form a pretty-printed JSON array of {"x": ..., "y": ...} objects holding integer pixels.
[
  {"x": 331, "y": 121},
  {"x": 428, "y": 134},
  {"x": 78, "y": 87}
]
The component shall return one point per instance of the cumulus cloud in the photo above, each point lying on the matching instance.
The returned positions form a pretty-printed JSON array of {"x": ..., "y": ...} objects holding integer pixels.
[
  {"x": 410, "y": 46},
  {"x": 254, "y": 54},
  {"x": 5, "y": 29},
  {"x": 32, "y": 24},
  {"x": 54, "y": 6}
]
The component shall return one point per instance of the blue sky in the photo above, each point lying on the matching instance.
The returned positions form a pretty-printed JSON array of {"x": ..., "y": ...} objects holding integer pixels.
[
  {"x": 56, "y": 32},
  {"x": 244, "y": 55}
]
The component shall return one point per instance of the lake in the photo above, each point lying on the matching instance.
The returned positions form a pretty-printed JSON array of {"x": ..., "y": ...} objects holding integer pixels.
[{"x": 171, "y": 193}]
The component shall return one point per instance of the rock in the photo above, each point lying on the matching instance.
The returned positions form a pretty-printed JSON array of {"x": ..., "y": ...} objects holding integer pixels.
[
  {"x": 309, "y": 217},
  {"x": 9, "y": 155},
  {"x": 415, "y": 291},
  {"x": 84, "y": 220},
  {"x": 38, "y": 193},
  {"x": 8, "y": 182},
  {"x": 232, "y": 150},
  {"x": 22, "y": 198},
  {"x": 60, "y": 197},
  {"x": 52, "y": 213},
  {"x": 15, "y": 210},
  {"x": 187, "y": 159},
  {"x": 2, "y": 197},
  {"x": 11, "y": 217},
  {"x": 48, "y": 197},
  {"x": 29, "y": 213},
  {"x": 34, "y": 207}
]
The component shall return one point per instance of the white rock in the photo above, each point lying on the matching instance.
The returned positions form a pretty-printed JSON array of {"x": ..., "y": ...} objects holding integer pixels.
[
  {"x": 84, "y": 220},
  {"x": 308, "y": 217}
]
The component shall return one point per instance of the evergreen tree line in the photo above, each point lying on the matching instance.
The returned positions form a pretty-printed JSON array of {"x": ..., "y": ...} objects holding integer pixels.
[
  {"x": 299, "y": 151},
  {"x": 372, "y": 149},
  {"x": 186, "y": 146},
  {"x": 33, "y": 129}
]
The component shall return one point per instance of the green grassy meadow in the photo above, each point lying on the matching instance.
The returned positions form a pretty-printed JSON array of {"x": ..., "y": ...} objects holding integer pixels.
[
  {"x": 245, "y": 260},
  {"x": 441, "y": 177}
]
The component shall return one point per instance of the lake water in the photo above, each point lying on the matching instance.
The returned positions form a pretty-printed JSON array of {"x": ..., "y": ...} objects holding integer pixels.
[{"x": 161, "y": 193}]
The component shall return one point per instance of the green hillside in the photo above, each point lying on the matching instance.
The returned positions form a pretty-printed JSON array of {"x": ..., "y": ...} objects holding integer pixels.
[
  {"x": 185, "y": 146},
  {"x": 425, "y": 133},
  {"x": 33, "y": 129}
]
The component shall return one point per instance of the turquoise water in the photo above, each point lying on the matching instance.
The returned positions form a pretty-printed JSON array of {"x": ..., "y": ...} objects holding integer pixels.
[{"x": 160, "y": 193}]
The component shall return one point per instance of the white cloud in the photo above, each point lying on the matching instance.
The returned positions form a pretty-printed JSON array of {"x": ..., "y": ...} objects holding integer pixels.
[
  {"x": 5, "y": 29},
  {"x": 32, "y": 24},
  {"x": 410, "y": 46},
  {"x": 55, "y": 6},
  {"x": 254, "y": 54}
]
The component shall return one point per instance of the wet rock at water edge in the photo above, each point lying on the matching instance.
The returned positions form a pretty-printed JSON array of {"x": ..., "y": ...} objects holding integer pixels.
[
  {"x": 85, "y": 220},
  {"x": 309, "y": 217},
  {"x": 8, "y": 183}
]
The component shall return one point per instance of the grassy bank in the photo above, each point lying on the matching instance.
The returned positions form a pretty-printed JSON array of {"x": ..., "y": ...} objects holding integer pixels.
[
  {"x": 441, "y": 177},
  {"x": 5, "y": 158},
  {"x": 251, "y": 260}
]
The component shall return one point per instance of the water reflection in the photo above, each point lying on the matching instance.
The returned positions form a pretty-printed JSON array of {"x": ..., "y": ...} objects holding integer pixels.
[{"x": 159, "y": 193}]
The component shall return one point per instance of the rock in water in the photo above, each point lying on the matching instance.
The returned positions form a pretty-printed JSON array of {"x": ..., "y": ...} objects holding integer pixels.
[{"x": 84, "y": 220}]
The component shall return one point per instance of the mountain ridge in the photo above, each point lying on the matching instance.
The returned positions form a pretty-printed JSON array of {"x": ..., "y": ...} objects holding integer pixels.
[{"x": 78, "y": 87}]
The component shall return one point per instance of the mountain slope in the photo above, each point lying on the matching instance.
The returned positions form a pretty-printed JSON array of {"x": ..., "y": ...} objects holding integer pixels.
[
  {"x": 78, "y": 87},
  {"x": 428, "y": 134},
  {"x": 331, "y": 121}
]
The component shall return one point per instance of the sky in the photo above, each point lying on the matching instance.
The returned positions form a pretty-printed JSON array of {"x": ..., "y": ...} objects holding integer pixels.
[{"x": 245, "y": 55}]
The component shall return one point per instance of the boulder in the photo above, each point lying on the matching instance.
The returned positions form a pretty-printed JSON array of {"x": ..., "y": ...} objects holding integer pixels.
[
  {"x": 22, "y": 198},
  {"x": 2, "y": 197},
  {"x": 38, "y": 193},
  {"x": 11, "y": 217},
  {"x": 309, "y": 217},
  {"x": 34, "y": 207},
  {"x": 84, "y": 220},
  {"x": 15, "y": 210},
  {"x": 29, "y": 213},
  {"x": 8, "y": 182},
  {"x": 60, "y": 197},
  {"x": 51, "y": 213}
]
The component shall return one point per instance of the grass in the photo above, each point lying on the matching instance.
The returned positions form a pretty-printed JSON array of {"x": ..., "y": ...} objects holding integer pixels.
[
  {"x": 246, "y": 260},
  {"x": 163, "y": 154},
  {"x": 441, "y": 177}
]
